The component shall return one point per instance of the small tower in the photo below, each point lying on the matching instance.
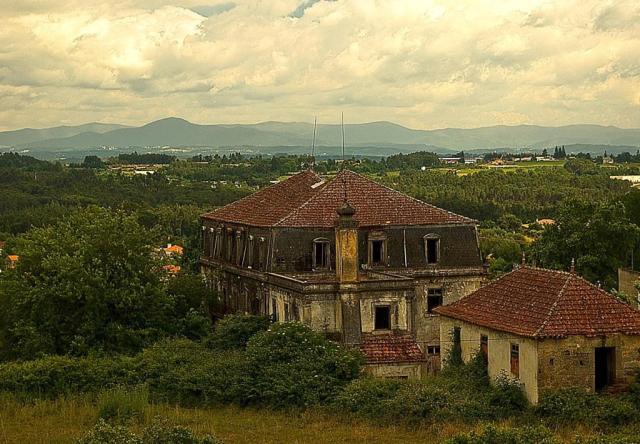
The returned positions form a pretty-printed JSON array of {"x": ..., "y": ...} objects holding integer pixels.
[{"x": 346, "y": 244}]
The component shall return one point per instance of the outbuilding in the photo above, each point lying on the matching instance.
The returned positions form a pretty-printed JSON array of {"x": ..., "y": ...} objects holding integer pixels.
[{"x": 548, "y": 329}]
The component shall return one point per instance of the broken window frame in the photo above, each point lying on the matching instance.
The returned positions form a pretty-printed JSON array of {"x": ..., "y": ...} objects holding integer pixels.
[
  {"x": 484, "y": 347},
  {"x": 514, "y": 359},
  {"x": 325, "y": 244},
  {"x": 431, "y": 294},
  {"x": 431, "y": 248},
  {"x": 375, "y": 237},
  {"x": 388, "y": 317},
  {"x": 433, "y": 350}
]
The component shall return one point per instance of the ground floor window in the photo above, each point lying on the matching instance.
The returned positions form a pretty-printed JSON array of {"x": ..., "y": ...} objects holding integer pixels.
[
  {"x": 515, "y": 360},
  {"x": 484, "y": 347},
  {"x": 382, "y": 317},
  {"x": 433, "y": 350},
  {"x": 274, "y": 310}
]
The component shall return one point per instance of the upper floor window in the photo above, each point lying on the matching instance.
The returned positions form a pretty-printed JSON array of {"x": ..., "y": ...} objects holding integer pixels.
[
  {"x": 432, "y": 248},
  {"x": 382, "y": 320},
  {"x": 377, "y": 249},
  {"x": 434, "y": 298},
  {"x": 321, "y": 253}
]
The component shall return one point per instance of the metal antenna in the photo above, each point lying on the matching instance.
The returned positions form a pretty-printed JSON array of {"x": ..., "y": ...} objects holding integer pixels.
[
  {"x": 342, "y": 125},
  {"x": 313, "y": 144},
  {"x": 344, "y": 180}
]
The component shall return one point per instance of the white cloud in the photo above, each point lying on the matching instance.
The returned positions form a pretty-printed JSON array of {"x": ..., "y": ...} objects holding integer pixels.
[{"x": 423, "y": 63}]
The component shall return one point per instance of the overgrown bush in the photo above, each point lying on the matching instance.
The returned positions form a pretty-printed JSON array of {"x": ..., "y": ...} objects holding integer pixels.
[
  {"x": 57, "y": 375},
  {"x": 507, "y": 395},
  {"x": 291, "y": 365},
  {"x": 494, "y": 435},
  {"x": 186, "y": 372},
  {"x": 233, "y": 331},
  {"x": 159, "y": 432},
  {"x": 123, "y": 404},
  {"x": 461, "y": 392},
  {"x": 577, "y": 406}
]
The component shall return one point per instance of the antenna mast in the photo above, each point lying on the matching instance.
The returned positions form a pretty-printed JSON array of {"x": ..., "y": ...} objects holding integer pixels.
[
  {"x": 344, "y": 181},
  {"x": 342, "y": 126},
  {"x": 313, "y": 144}
]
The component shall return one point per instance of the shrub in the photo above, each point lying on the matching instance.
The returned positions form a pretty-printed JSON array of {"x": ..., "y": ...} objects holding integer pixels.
[
  {"x": 368, "y": 397},
  {"x": 234, "y": 331},
  {"x": 184, "y": 371},
  {"x": 291, "y": 365},
  {"x": 122, "y": 404},
  {"x": 105, "y": 433},
  {"x": 493, "y": 435},
  {"x": 56, "y": 375},
  {"x": 575, "y": 405},
  {"x": 507, "y": 395},
  {"x": 159, "y": 432}
]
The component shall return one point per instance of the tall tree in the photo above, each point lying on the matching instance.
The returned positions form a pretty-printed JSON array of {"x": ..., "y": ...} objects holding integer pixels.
[{"x": 89, "y": 282}]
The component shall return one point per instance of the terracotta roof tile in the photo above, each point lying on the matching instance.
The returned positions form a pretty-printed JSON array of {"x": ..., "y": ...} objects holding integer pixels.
[
  {"x": 269, "y": 205},
  {"x": 302, "y": 201},
  {"x": 540, "y": 303},
  {"x": 391, "y": 348}
]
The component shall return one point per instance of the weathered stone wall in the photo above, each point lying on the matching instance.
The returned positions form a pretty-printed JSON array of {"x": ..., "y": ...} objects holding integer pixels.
[
  {"x": 397, "y": 300},
  {"x": 391, "y": 370},
  {"x": 570, "y": 362},
  {"x": 427, "y": 325},
  {"x": 499, "y": 352},
  {"x": 627, "y": 280}
]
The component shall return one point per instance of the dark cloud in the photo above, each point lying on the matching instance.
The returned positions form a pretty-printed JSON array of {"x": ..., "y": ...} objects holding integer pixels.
[{"x": 211, "y": 10}]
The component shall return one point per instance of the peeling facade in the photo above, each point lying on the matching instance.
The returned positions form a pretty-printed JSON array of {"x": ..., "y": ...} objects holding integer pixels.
[{"x": 363, "y": 264}]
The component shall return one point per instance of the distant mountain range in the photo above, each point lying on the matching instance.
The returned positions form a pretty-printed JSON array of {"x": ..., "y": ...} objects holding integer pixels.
[{"x": 382, "y": 137}]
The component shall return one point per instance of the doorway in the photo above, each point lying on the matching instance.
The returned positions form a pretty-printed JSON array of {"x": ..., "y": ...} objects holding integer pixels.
[{"x": 605, "y": 366}]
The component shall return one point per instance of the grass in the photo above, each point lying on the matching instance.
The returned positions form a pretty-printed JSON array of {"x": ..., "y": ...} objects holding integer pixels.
[{"x": 63, "y": 420}]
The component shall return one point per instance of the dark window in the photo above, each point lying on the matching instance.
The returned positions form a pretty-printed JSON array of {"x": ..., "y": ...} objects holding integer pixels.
[
  {"x": 286, "y": 313},
  {"x": 383, "y": 317},
  {"x": 484, "y": 347},
  {"x": 515, "y": 360},
  {"x": 433, "y": 349},
  {"x": 456, "y": 336},
  {"x": 434, "y": 298},
  {"x": 377, "y": 250},
  {"x": 274, "y": 310},
  {"x": 321, "y": 253},
  {"x": 432, "y": 248}
]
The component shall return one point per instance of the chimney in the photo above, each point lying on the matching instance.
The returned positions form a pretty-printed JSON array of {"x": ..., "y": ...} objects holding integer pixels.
[{"x": 346, "y": 244}]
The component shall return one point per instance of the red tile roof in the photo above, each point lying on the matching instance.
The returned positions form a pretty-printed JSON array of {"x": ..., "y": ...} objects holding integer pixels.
[
  {"x": 269, "y": 205},
  {"x": 542, "y": 303},
  {"x": 391, "y": 348},
  {"x": 304, "y": 201}
]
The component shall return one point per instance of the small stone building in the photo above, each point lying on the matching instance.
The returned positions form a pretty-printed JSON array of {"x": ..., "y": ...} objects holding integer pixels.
[
  {"x": 361, "y": 262},
  {"x": 549, "y": 329}
]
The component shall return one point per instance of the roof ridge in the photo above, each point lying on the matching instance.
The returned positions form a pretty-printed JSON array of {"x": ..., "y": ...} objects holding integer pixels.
[
  {"x": 268, "y": 187},
  {"x": 411, "y": 197},
  {"x": 553, "y": 307},
  {"x": 322, "y": 190}
]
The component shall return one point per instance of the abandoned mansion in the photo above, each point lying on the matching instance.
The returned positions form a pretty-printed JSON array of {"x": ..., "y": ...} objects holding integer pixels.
[
  {"x": 363, "y": 263},
  {"x": 403, "y": 280}
]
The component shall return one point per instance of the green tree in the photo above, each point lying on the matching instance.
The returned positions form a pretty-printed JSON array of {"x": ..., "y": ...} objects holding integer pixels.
[
  {"x": 598, "y": 237},
  {"x": 87, "y": 283}
]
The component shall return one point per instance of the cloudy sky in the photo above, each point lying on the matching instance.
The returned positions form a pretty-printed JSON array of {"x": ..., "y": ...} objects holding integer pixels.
[{"x": 421, "y": 63}]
